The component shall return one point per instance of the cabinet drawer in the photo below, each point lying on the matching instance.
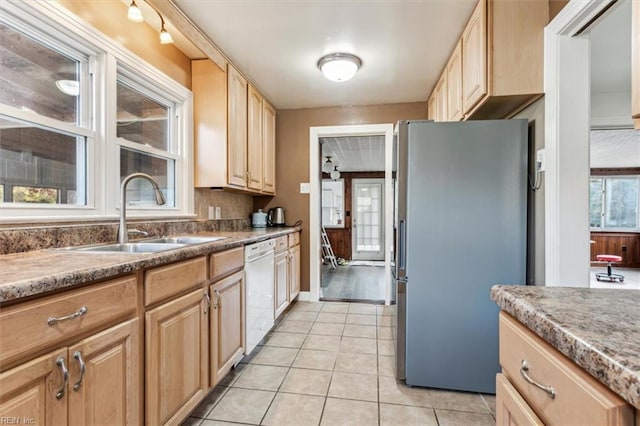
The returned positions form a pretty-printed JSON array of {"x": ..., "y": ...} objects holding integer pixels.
[
  {"x": 579, "y": 398},
  {"x": 25, "y": 328},
  {"x": 294, "y": 239},
  {"x": 225, "y": 263},
  {"x": 166, "y": 281},
  {"x": 282, "y": 243}
]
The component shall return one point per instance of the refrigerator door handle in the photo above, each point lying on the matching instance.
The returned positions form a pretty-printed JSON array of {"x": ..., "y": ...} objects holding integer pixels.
[{"x": 402, "y": 249}]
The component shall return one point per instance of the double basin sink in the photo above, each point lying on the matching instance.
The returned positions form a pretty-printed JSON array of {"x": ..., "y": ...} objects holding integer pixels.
[{"x": 148, "y": 246}]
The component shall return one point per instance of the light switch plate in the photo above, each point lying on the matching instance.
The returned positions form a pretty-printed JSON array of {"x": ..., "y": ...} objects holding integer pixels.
[{"x": 305, "y": 187}]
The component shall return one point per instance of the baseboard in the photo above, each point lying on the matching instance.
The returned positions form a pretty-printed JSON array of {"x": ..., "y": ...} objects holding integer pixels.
[{"x": 304, "y": 296}]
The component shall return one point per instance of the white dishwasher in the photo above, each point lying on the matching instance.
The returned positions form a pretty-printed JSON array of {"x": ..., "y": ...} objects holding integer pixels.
[{"x": 259, "y": 276}]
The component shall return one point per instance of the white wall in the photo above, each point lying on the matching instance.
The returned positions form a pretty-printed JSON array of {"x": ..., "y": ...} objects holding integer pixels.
[{"x": 611, "y": 109}]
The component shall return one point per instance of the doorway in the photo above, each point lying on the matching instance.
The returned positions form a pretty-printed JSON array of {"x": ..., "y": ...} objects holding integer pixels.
[
  {"x": 317, "y": 161},
  {"x": 367, "y": 225}
]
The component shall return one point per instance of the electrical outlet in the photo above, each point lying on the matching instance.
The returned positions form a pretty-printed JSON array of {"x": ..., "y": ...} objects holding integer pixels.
[
  {"x": 540, "y": 163},
  {"x": 305, "y": 187}
]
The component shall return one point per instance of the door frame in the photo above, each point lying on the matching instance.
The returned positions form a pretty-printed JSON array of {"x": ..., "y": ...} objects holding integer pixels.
[
  {"x": 354, "y": 211},
  {"x": 567, "y": 117},
  {"x": 315, "y": 215}
]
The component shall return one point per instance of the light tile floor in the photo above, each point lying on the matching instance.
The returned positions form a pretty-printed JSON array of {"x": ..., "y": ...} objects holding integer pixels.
[{"x": 332, "y": 363}]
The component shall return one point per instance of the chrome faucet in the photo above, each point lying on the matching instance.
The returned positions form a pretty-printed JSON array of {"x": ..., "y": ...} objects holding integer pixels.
[{"x": 123, "y": 232}]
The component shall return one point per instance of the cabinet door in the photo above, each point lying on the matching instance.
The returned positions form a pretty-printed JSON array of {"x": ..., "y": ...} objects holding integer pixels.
[
  {"x": 176, "y": 358},
  {"x": 227, "y": 325},
  {"x": 108, "y": 391},
  {"x": 28, "y": 392},
  {"x": 237, "y": 128},
  {"x": 254, "y": 139},
  {"x": 635, "y": 67},
  {"x": 431, "y": 113},
  {"x": 454, "y": 85},
  {"x": 474, "y": 57},
  {"x": 441, "y": 99},
  {"x": 269, "y": 148},
  {"x": 511, "y": 408},
  {"x": 282, "y": 282},
  {"x": 294, "y": 272}
]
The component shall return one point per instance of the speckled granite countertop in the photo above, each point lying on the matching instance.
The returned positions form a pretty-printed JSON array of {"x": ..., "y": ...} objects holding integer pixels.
[
  {"x": 598, "y": 329},
  {"x": 35, "y": 273}
]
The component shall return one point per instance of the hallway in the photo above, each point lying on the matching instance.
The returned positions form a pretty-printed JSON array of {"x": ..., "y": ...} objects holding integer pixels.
[{"x": 363, "y": 281}]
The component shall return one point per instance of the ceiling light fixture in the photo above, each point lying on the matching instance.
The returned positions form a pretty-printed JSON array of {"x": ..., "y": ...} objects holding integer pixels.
[
  {"x": 327, "y": 166},
  {"x": 68, "y": 87},
  {"x": 339, "y": 66},
  {"x": 335, "y": 174},
  {"x": 134, "y": 14}
]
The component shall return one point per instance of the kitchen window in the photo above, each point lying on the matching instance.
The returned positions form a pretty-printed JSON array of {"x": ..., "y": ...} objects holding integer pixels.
[
  {"x": 78, "y": 113},
  {"x": 45, "y": 127},
  {"x": 614, "y": 202},
  {"x": 145, "y": 139}
]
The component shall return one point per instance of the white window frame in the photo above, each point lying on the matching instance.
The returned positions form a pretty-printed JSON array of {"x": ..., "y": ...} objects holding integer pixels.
[
  {"x": 107, "y": 57},
  {"x": 603, "y": 228}
]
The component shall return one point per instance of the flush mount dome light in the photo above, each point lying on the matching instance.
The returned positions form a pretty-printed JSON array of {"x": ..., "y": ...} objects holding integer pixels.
[
  {"x": 339, "y": 66},
  {"x": 68, "y": 87}
]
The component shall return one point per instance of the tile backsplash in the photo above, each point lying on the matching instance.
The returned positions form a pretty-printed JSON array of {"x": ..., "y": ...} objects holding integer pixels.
[
  {"x": 232, "y": 205},
  {"x": 235, "y": 215}
]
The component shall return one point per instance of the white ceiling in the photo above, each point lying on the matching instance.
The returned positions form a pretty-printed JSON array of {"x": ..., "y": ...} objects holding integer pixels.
[
  {"x": 615, "y": 148},
  {"x": 355, "y": 153},
  {"x": 403, "y": 44}
]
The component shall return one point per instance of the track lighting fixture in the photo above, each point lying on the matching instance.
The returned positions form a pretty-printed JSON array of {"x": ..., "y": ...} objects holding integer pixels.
[{"x": 134, "y": 14}]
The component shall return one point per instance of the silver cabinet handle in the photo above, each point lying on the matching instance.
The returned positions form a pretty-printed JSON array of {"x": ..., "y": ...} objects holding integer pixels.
[
  {"x": 78, "y": 355},
  {"x": 216, "y": 302},
  {"x": 208, "y": 299},
  {"x": 524, "y": 367},
  {"x": 65, "y": 377},
  {"x": 80, "y": 312}
]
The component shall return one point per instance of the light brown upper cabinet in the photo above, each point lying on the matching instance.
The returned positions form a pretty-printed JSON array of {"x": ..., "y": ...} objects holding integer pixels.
[
  {"x": 474, "y": 57},
  {"x": 431, "y": 110},
  {"x": 254, "y": 139},
  {"x": 502, "y": 55},
  {"x": 635, "y": 68},
  {"x": 454, "y": 85},
  {"x": 511, "y": 65},
  {"x": 441, "y": 98},
  {"x": 237, "y": 139},
  {"x": 234, "y": 131},
  {"x": 268, "y": 148}
]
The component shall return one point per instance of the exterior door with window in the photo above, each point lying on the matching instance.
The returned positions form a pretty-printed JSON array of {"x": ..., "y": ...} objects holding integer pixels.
[{"x": 368, "y": 219}]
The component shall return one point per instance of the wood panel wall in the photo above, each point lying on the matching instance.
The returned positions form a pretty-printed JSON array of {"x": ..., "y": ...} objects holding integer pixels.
[
  {"x": 625, "y": 244},
  {"x": 340, "y": 238}
]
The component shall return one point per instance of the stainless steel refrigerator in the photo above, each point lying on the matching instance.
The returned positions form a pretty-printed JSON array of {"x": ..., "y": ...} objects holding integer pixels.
[{"x": 460, "y": 217}]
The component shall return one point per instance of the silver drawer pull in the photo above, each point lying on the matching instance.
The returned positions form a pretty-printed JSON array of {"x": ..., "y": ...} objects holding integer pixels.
[
  {"x": 79, "y": 313},
  {"x": 208, "y": 300},
  {"x": 216, "y": 302},
  {"x": 65, "y": 377},
  {"x": 78, "y": 355},
  {"x": 524, "y": 367}
]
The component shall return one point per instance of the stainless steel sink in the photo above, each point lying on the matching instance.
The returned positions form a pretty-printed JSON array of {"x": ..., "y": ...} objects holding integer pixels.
[
  {"x": 142, "y": 247},
  {"x": 185, "y": 239}
]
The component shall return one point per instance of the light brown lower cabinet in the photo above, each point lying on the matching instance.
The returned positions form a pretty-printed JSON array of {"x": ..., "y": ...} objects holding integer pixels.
[
  {"x": 177, "y": 358},
  {"x": 226, "y": 322},
  {"x": 282, "y": 281},
  {"x": 566, "y": 395},
  {"x": 511, "y": 408},
  {"x": 93, "y": 382}
]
